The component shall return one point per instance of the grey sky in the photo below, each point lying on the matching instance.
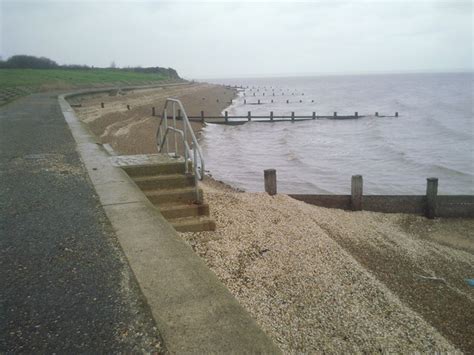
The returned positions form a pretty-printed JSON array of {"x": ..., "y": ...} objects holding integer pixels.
[{"x": 245, "y": 38}]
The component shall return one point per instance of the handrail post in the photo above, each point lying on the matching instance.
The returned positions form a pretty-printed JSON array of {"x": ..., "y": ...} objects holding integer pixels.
[
  {"x": 174, "y": 135},
  {"x": 185, "y": 137},
  {"x": 166, "y": 130}
]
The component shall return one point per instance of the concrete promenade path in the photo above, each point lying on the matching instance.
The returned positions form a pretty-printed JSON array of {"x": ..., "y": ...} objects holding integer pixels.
[{"x": 65, "y": 285}]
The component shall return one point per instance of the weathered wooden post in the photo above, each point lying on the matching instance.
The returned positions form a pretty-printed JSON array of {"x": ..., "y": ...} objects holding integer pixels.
[
  {"x": 153, "y": 111},
  {"x": 376, "y": 114},
  {"x": 356, "y": 192},
  {"x": 314, "y": 115},
  {"x": 396, "y": 114},
  {"x": 292, "y": 115},
  {"x": 269, "y": 176},
  {"x": 102, "y": 104},
  {"x": 259, "y": 101},
  {"x": 202, "y": 116},
  {"x": 226, "y": 116},
  {"x": 271, "y": 115},
  {"x": 249, "y": 116},
  {"x": 356, "y": 114},
  {"x": 431, "y": 197},
  {"x": 335, "y": 114},
  {"x": 128, "y": 107}
]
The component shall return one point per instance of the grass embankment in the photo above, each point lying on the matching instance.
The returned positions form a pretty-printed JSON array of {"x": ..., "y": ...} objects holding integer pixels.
[{"x": 19, "y": 82}]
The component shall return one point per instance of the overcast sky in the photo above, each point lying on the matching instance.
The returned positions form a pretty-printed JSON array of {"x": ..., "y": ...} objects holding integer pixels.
[{"x": 245, "y": 38}]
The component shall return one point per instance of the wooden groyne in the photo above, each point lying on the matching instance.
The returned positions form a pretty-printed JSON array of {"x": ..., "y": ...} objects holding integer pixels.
[
  {"x": 240, "y": 119},
  {"x": 430, "y": 205}
]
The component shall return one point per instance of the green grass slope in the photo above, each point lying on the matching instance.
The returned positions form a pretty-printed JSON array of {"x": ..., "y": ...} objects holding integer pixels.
[{"x": 19, "y": 82}]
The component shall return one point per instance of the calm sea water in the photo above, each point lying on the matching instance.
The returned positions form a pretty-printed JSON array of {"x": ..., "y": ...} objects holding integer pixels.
[{"x": 432, "y": 137}]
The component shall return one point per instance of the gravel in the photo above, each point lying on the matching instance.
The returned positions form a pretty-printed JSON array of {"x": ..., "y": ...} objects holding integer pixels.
[{"x": 304, "y": 289}]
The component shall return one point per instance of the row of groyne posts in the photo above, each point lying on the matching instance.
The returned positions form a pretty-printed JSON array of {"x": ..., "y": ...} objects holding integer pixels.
[
  {"x": 430, "y": 205},
  {"x": 271, "y": 116}
]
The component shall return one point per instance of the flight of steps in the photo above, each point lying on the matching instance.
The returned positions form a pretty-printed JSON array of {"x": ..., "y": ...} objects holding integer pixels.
[{"x": 173, "y": 192}]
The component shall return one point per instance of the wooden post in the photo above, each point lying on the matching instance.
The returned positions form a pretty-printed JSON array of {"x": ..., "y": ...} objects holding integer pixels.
[
  {"x": 128, "y": 107},
  {"x": 249, "y": 115},
  {"x": 396, "y": 114},
  {"x": 226, "y": 116},
  {"x": 335, "y": 114},
  {"x": 245, "y": 101},
  {"x": 202, "y": 116},
  {"x": 292, "y": 115},
  {"x": 431, "y": 197},
  {"x": 271, "y": 115},
  {"x": 153, "y": 111},
  {"x": 314, "y": 115},
  {"x": 259, "y": 101},
  {"x": 356, "y": 114},
  {"x": 376, "y": 114},
  {"x": 356, "y": 192},
  {"x": 269, "y": 176},
  {"x": 272, "y": 100},
  {"x": 287, "y": 101},
  {"x": 102, "y": 104}
]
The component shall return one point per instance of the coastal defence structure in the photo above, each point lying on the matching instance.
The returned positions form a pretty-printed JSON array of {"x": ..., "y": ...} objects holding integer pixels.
[
  {"x": 430, "y": 205},
  {"x": 271, "y": 117},
  {"x": 194, "y": 312}
]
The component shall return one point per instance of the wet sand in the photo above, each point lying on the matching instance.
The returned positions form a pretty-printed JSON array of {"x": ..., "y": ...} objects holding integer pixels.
[
  {"x": 316, "y": 279},
  {"x": 133, "y": 131}
]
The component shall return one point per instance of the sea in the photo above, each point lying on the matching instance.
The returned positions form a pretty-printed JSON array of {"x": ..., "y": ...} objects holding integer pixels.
[{"x": 433, "y": 135}]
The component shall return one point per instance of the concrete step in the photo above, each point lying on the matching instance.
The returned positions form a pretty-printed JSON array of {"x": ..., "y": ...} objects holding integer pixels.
[
  {"x": 164, "y": 181},
  {"x": 157, "y": 169},
  {"x": 193, "y": 224},
  {"x": 186, "y": 195},
  {"x": 170, "y": 211}
]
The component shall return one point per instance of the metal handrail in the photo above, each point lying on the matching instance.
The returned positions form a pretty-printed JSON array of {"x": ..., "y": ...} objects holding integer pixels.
[{"x": 194, "y": 151}]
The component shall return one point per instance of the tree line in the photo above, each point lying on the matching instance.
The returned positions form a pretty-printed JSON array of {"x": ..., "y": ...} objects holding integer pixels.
[{"x": 32, "y": 62}]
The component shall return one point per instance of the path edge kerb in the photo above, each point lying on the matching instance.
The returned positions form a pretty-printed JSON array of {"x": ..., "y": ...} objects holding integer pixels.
[{"x": 193, "y": 310}]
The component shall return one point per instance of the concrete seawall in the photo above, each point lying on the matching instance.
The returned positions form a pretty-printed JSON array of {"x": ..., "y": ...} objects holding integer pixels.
[{"x": 193, "y": 310}]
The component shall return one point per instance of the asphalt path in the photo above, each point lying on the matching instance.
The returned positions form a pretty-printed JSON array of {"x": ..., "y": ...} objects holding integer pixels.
[{"x": 65, "y": 285}]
